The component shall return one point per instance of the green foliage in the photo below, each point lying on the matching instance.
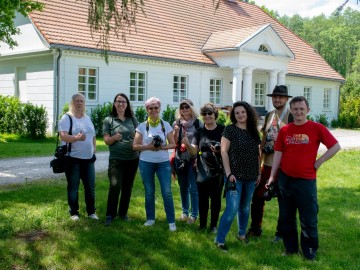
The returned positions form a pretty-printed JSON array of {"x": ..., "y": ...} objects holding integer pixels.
[
  {"x": 221, "y": 117},
  {"x": 98, "y": 114},
  {"x": 11, "y": 115},
  {"x": 7, "y": 16},
  {"x": 322, "y": 119},
  {"x": 65, "y": 109},
  {"x": 169, "y": 114},
  {"x": 35, "y": 121},
  {"x": 140, "y": 114}
]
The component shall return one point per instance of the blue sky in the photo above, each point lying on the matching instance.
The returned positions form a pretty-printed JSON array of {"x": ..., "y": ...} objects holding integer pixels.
[{"x": 306, "y": 8}]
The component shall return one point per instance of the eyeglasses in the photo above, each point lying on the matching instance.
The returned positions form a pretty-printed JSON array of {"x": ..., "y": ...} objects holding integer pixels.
[
  {"x": 120, "y": 102},
  {"x": 207, "y": 113},
  {"x": 184, "y": 107},
  {"x": 153, "y": 108}
]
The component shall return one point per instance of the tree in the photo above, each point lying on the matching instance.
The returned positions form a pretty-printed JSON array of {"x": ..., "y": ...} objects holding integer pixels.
[{"x": 8, "y": 9}]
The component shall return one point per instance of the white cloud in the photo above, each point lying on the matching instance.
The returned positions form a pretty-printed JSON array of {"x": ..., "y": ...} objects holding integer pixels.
[{"x": 306, "y": 8}]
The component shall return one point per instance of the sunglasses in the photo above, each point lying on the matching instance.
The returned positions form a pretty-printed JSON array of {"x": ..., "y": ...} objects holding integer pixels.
[
  {"x": 153, "y": 108},
  {"x": 120, "y": 102},
  {"x": 206, "y": 113},
  {"x": 184, "y": 107}
]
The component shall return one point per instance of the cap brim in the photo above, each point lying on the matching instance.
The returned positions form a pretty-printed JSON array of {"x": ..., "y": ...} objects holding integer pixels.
[{"x": 271, "y": 95}]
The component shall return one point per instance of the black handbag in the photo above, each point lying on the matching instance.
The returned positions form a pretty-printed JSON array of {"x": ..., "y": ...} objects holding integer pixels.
[
  {"x": 205, "y": 171},
  {"x": 62, "y": 154}
]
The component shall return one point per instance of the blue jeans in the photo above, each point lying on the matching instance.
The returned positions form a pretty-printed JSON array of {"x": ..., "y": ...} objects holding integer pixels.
[
  {"x": 85, "y": 170},
  {"x": 188, "y": 186},
  {"x": 163, "y": 173},
  {"x": 237, "y": 202},
  {"x": 299, "y": 194}
]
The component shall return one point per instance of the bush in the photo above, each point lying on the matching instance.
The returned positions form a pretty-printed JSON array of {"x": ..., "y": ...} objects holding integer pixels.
[
  {"x": 140, "y": 114},
  {"x": 35, "y": 121},
  {"x": 168, "y": 114},
  {"x": 11, "y": 115},
  {"x": 322, "y": 119},
  {"x": 222, "y": 118},
  {"x": 98, "y": 115}
]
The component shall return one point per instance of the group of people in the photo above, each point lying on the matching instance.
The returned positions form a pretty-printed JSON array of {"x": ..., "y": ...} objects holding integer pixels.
[{"x": 209, "y": 160}]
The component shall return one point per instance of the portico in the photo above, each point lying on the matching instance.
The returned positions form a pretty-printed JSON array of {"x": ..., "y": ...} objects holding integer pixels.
[{"x": 247, "y": 51}]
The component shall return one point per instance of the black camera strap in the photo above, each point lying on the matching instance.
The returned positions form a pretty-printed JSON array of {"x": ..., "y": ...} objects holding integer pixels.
[
  {"x": 162, "y": 128},
  {"x": 70, "y": 133}
]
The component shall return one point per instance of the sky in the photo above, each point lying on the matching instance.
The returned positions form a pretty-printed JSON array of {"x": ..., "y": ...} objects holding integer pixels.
[{"x": 306, "y": 8}]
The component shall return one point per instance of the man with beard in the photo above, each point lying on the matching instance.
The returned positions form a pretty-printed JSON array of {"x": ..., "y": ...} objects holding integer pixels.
[{"x": 274, "y": 120}]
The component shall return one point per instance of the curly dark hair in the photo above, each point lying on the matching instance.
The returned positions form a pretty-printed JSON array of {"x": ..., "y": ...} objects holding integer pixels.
[
  {"x": 128, "y": 111},
  {"x": 251, "y": 122}
]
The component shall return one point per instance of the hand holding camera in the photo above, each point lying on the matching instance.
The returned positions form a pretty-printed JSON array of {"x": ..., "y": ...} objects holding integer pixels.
[
  {"x": 157, "y": 141},
  {"x": 215, "y": 146},
  {"x": 271, "y": 192}
]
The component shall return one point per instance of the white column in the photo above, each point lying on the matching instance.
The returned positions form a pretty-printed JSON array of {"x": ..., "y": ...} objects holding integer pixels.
[
  {"x": 247, "y": 89},
  {"x": 272, "y": 82},
  {"x": 237, "y": 82},
  {"x": 281, "y": 77}
]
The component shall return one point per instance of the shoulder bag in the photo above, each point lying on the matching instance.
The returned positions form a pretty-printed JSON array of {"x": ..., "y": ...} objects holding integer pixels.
[{"x": 62, "y": 154}]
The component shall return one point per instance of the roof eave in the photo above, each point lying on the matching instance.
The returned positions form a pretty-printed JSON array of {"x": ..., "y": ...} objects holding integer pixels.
[{"x": 315, "y": 77}]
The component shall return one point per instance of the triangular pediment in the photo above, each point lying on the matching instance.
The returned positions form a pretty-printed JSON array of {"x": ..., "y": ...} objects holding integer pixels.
[{"x": 259, "y": 41}]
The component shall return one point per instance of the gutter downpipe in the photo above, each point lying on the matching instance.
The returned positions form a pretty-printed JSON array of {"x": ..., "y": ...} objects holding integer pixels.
[{"x": 57, "y": 56}]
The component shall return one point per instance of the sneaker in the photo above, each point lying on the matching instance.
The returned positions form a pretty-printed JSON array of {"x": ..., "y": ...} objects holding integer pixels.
[
  {"x": 149, "y": 223},
  {"x": 277, "y": 239},
  {"x": 243, "y": 238},
  {"x": 222, "y": 247},
  {"x": 183, "y": 217},
  {"x": 125, "y": 218},
  {"x": 93, "y": 216},
  {"x": 191, "y": 220},
  {"x": 172, "y": 227},
  {"x": 108, "y": 220},
  {"x": 75, "y": 217},
  {"x": 254, "y": 232},
  {"x": 213, "y": 230}
]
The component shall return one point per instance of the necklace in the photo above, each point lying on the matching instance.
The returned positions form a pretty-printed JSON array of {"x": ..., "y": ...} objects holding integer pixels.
[{"x": 153, "y": 123}]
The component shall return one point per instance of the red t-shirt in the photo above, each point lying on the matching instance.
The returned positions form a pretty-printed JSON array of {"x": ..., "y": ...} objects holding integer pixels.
[{"x": 299, "y": 146}]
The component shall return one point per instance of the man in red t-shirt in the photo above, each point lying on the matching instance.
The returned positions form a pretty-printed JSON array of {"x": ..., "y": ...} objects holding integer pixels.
[{"x": 296, "y": 148}]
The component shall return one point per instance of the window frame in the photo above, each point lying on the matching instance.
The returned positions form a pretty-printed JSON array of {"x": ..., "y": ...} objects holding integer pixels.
[
  {"x": 86, "y": 83},
  {"x": 307, "y": 95},
  {"x": 136, "y": 84},
  {"x": 327, "y": 99},
  {"x": 259, "y": 96},
  {"x": 182, "y": 80},
  {"x": 214, "y": 88}
]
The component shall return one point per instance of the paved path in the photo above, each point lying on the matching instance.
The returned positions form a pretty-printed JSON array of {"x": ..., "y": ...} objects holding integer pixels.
[{"x": 19, "y": 170}]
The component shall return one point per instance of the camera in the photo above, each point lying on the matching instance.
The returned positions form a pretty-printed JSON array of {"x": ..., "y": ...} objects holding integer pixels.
[
  {"x": 230, "y": 186},
  {"x": 271, "y": 192},
  {"x": 157, "y": 141},
  {"x": 61, "y": 151},
  {"x": 216, "y": 145},
  {"x": 268, "y": 149}
]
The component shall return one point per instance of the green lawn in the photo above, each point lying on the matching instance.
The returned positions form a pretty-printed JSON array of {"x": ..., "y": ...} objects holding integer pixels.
[
  {"x": 12, "y": 146},
  {"x": 37, "y": 233}
]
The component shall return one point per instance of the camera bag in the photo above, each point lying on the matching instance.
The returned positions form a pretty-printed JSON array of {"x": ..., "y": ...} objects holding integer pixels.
[{"x": 62, "y": 154}]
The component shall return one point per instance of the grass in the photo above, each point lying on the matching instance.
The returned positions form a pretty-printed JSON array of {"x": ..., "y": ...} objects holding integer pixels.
[
  {"x": 37, "y": 233},
  {"x": 13, "y": 146}
]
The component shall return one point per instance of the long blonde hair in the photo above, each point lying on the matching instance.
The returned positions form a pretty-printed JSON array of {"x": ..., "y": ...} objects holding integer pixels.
[{"x": 72, "y": 105}]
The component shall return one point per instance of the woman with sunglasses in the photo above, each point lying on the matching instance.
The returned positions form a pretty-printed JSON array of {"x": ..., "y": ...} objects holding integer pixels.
[
  {"x": 204, "y": 143},
  {"x": 119, "y": 132},
  {"x": 153, "y": 139},
  {"x": 240, "y": 151},
  {"x": 185, "y": 125}
]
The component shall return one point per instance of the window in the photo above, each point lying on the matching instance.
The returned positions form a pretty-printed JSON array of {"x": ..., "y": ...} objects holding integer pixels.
[
  {"x": 307, "y": 93},
  {"x": 88, "y": 83},
  {"x": 327, "y": 99},
  {"x": 215, "y": 91},
  {"x": 263, "y": 48},
  {"x": 137, "y": 86},
  {"x": 179, "y": 88},
  {"x": 260, "y": 94}
]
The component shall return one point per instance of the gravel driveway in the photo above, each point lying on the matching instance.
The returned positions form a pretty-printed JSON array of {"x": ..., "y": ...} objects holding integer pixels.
[{"x": 19, "y": 170}]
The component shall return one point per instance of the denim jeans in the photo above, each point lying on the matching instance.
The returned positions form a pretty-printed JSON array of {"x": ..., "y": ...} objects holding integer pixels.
[
  {"x": 188, "y": 188},
  {"x": 163, "y": 173},
  {"x": 121, "y": 175},
  {"x": 299, "y": 194},
  {"x": 84, "y": 170},
  {"x": 237, "y": 202}
]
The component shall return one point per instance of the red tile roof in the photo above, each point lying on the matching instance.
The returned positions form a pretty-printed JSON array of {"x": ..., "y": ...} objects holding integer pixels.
[{"x": 175, "y": 30}]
